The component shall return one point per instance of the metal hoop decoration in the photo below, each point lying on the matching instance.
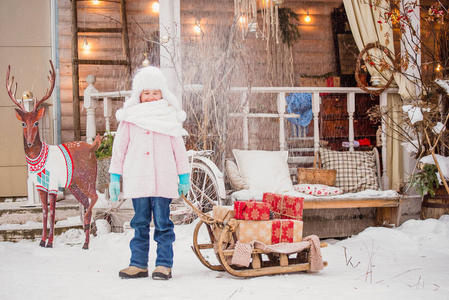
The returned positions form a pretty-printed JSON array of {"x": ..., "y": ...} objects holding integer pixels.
[{"x": 388, "y": 53}]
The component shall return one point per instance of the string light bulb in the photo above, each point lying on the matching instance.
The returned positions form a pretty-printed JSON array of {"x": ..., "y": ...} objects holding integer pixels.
[
  {"x": 86, "y": 46},
  {"x": 307, "y": 18},
  {"x": 145, "y": 62},
  {"x": 96, "y": 2},
  {"x": 438, "y": 68},
  {"x": 155, "y": 7},
  {"x": 197, "y": 27}
]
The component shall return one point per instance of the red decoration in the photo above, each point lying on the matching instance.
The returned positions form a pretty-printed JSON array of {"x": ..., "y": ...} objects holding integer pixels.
[
  {"x": 251, "y": 210},
  {"x": 282, "y": 231},
  {"x": 285, "y": 207}
]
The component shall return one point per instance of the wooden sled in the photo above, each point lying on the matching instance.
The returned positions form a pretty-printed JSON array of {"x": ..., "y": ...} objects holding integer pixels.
[{"x": 214, "y": 252}]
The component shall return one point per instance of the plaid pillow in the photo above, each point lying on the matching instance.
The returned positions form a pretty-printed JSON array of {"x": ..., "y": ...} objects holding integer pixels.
[{"x": 356, "y": 171}]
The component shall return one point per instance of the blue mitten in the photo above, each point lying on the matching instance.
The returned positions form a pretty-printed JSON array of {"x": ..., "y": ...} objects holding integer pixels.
[
  {"x": 184, "y": 184},
  {"x": 114, "y": 187}
]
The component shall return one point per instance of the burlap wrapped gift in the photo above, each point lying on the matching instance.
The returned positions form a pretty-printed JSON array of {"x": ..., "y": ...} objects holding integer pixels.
[{"x": 270, "y": 232}]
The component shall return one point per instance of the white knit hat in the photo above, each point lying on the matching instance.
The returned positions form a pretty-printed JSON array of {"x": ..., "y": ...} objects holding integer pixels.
[{"x": 152, "y": 78}]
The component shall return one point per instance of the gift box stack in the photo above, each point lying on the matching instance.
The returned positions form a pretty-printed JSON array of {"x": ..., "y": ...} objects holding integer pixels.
[
  {"x": 223, "y": 213},
  {"x": 252, "y": 210},
  {"x": 285, "y": 207},
  {"x": 284, "y": 226}
]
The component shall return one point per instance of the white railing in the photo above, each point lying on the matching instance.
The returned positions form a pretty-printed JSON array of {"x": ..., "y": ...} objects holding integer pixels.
[{"x": 92, "y": 96}]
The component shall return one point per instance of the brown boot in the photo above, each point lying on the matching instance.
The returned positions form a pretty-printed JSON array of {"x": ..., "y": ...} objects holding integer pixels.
[
  {"x": 133, "y": 272},
  {"x": 162, "y": 273}
]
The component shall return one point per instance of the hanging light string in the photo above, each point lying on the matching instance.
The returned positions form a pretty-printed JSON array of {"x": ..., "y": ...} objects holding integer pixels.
[{"x": 246, "y": 10}]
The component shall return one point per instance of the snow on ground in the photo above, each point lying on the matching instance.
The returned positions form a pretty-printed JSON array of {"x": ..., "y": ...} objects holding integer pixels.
[{"x": 409, "y": 262}]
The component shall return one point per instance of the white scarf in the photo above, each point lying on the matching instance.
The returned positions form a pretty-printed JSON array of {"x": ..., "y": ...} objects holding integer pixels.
[{"x": 157, "y": 116}]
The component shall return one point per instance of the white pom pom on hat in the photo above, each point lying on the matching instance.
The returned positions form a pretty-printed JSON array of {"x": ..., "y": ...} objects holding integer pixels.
[{"x": 152, "y": 78}]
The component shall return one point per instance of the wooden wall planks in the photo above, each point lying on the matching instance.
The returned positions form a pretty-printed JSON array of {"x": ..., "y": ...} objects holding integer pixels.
[{"x": 313, "y": 54}]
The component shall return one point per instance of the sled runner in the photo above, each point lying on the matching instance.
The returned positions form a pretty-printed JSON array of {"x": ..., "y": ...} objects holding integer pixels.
[{"x": 218, "y": 244}]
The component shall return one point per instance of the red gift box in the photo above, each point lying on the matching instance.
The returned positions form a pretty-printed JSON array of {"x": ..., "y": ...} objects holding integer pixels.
[
  {"x": 251, "y": 210},
  {"x": 282, "y": 231},
  {"x": 285, "y": 207},
  {"x": 270, "y": 232}
]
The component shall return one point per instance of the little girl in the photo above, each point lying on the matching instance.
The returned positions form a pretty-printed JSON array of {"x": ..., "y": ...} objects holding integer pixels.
[{"x": 149, "y": 153}]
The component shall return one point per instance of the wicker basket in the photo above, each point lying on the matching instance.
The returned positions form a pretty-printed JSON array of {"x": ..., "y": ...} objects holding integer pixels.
[
  {"x": 316, "y": 175},
  {"x": 103, "y": 176}
]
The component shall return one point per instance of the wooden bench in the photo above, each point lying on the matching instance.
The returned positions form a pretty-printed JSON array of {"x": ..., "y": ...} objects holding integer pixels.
[
  {"x": 340, "y": 217},
  {"x": 343, "y": 216},
  {"x": 384, "y": 209}
]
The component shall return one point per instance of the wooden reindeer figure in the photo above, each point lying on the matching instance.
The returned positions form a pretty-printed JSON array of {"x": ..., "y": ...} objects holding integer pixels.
[{"x": 72, "y": 165}]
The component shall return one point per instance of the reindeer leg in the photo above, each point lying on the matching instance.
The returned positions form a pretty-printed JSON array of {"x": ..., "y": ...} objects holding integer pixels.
[
  {"x": 79, "y": 195},
  {"x": 52, "y": 198},
  {"x": 88, "y": 216},
  {"x": 43, "y": 197}
]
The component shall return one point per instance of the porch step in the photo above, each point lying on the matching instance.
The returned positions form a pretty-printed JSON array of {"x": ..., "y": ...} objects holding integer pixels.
[
  {"x": 307, "y": 138},
  {"x": 302, "y": 150},
  {"x": 300, "y": 160},
  {"x": 18, "y": 220},
  {"x": 296, "y": 142},
  {"x": 16, "y": 233},
  {"x": 20, "y": 213}
]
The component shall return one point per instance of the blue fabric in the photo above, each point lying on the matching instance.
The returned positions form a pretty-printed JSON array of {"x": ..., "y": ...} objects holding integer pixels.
[
  {"x": 145, "y": 209},
  {"x": 184, "y": 184},
  {"x": 301, "y": 104}
]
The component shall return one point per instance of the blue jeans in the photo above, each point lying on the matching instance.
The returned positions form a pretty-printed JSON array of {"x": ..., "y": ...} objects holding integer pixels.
[{"x": 164, "y": 234}]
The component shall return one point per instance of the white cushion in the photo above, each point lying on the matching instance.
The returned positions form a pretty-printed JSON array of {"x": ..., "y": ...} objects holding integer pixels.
[
  {"x": 233, "y": 173},
  {"x": 265, "y": 171}
]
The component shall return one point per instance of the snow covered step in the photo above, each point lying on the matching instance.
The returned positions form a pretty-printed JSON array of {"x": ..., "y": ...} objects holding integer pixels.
[
  {"x": 18, "y": 220},
  {"x": 33, "y": 230},
  {"x": 20, "y": 213}
]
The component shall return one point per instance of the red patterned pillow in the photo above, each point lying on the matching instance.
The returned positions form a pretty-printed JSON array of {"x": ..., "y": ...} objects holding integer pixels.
[{"x": 317, "y": 189}]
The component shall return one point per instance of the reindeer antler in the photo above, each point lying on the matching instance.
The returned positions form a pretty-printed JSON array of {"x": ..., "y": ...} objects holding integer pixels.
[
  {"x": 11, "y": 94},
  {"x": 47, "y": 95}
]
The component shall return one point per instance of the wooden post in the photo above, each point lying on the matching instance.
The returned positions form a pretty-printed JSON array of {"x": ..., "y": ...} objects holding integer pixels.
[
  {"x": 316, "y": 102},
  {"x": 125, "y": 43},
  {"x": 351, "y": 109},
  {"x": 256, "y": 263},
  {"x": 281, "y": 112},
  {"x": 383, "y": 107},
  {"x": 283, "y": 259},
  {"x": 245, "y": 121},
  {"x": 91, "y": 105},
  {"x": 388, "y": 216},
  {"x": 170, "y": 36},
  {"x": 75, "y": 74},
  {"x": 107, "y": 111}
]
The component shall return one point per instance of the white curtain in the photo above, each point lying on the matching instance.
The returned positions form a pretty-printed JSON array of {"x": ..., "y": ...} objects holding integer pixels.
[{"x": 366, "y": 29}]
